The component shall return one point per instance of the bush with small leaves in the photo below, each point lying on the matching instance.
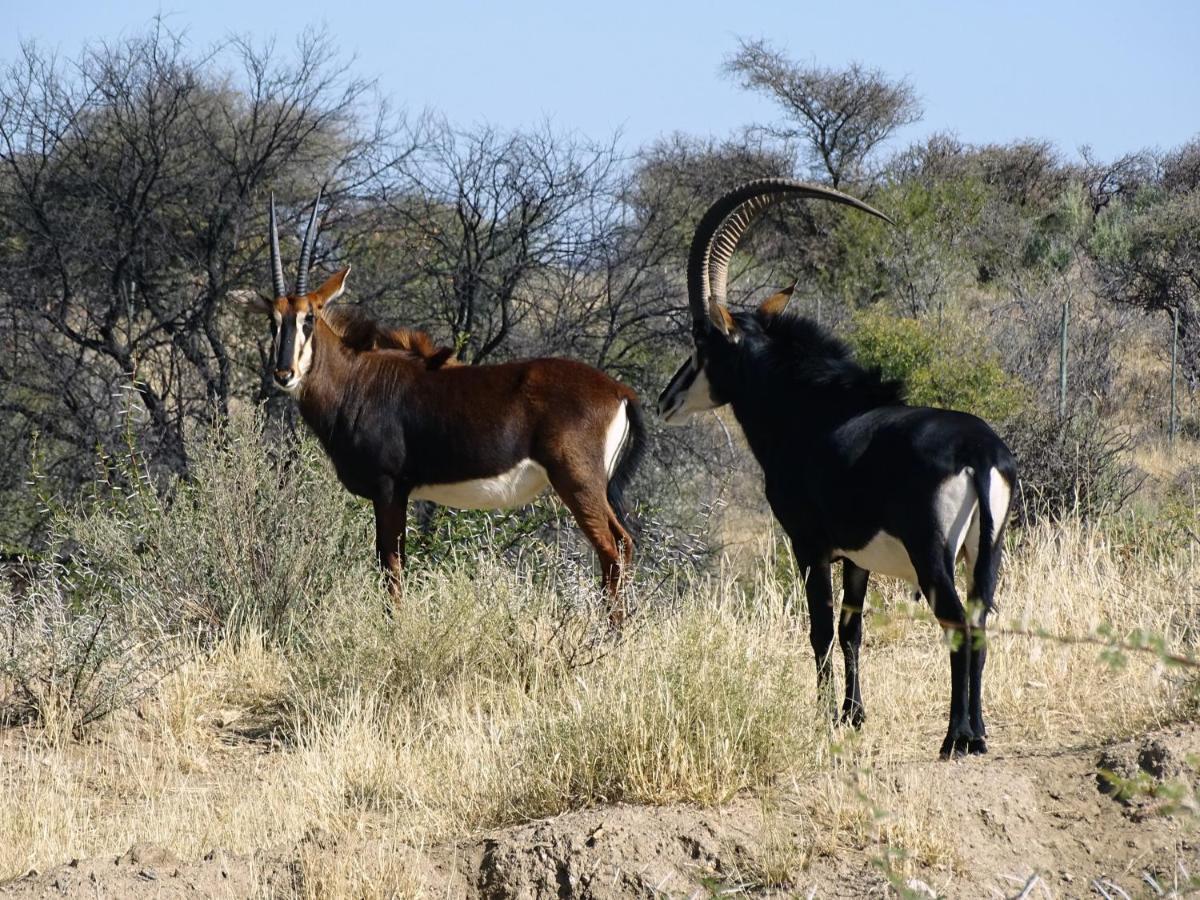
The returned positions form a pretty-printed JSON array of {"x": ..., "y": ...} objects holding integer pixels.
[
  {"x": 944, "y": 367},
  {"x": 71, "y": 655}
]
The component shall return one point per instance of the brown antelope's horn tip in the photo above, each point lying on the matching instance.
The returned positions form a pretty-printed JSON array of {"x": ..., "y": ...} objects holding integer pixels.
[
  {"x": 277, "y": 280},
  {"x": 306, "y": 247}
]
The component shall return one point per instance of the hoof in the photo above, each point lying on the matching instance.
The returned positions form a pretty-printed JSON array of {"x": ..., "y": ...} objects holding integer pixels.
[
  {"x": 955, "y": 747},
  {"x": 853, "y": 715},
  {"x": 977, "y": 746}
]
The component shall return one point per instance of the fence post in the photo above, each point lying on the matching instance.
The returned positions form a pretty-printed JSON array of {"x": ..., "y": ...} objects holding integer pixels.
[
  {"x": 1062, "y": 360},
  {"x": 1172, "y": 421}
]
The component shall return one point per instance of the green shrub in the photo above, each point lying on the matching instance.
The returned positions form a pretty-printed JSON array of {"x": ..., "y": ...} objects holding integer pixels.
[
  {"x": 945, "y": 368},
  {"x": 255, "y": 537}
]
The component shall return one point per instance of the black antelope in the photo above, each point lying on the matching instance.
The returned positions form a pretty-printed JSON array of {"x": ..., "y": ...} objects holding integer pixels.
[
  {"x": 400, "y": 419},
  {"x": 850, "y": 471}
]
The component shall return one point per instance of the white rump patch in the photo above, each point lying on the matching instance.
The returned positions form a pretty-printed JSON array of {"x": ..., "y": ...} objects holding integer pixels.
[
  {"x": 885, "y": 554},
  {"x": 954, "y": 508},
  {"x": 999, "y": 496},
  {"x": 956, "y": 511},
  {"x": 516, "y": 487},
  {"x": 614, "y": 439}
]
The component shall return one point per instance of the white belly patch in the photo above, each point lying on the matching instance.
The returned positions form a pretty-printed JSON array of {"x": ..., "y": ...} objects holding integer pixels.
[
  {"x": 516, "y": 487},
  {"x": 956, "y": 513},
  {"x": 884, "y": 554}
]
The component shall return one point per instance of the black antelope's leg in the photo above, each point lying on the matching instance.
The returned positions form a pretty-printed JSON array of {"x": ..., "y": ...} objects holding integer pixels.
[
  {"x": 938, "y": 587},
  {"x": 818, "y": 589},
  {"x": 854, "y": 596},
  {"x": 978, "y": 741}
]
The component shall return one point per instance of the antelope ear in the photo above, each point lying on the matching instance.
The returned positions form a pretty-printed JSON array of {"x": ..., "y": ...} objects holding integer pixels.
[
  {"x": 777, "y": 303},
  {"x": 443, "y": 357},
  {"x": 252, "y": 301},
  {"x": 334, "y": 287},
  {"x": 722, "y": 320}
]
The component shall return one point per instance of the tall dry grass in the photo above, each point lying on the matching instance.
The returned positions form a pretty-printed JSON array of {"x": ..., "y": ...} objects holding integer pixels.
[{"x": 494, "y": 695}]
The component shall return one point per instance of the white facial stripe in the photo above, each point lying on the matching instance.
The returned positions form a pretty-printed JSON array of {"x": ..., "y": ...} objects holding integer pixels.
[
  {"x": 696, "y": 397},
  {"x": 304, "y": 355}
]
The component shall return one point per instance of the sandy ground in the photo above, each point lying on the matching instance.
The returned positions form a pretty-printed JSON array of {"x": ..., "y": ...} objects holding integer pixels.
[{"x": 1048, "y": 824}]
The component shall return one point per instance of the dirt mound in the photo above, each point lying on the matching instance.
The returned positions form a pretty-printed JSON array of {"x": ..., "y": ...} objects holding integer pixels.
[
  {"x": 146, "y": 870},
  {"x": 1114, "y": 820},
  {"x": 621, "y": 851},
  {"x": 1153, "y": 775}
]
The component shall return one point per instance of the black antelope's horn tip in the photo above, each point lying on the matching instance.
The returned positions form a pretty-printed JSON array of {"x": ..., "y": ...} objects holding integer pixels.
[{"x": 725, "y": 223}]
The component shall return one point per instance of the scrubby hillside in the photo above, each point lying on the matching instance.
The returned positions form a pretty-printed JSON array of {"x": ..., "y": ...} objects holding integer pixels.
[
  {"x": 490, "y": 735},
  {"x": 205, "y": 688}
]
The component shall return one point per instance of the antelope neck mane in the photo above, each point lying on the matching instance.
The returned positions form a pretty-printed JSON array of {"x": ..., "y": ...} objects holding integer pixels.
[
  {"x": 801, "y": 354},
  {"x": 360, "y": 333}
]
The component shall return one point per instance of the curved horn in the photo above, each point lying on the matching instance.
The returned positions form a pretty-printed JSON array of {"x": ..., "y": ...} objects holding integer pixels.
[
  {"x": 726, "y": 222},
  {"x": 276, "y": 265},
  {"x": 310, "y": 238}
]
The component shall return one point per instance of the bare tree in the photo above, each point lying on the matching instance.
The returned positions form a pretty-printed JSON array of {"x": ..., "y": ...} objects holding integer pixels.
[
  {"x": 1148, "y": 257},
  {"x": 839, "y": 115},
  {"x": 133, "y": 185},
  {"x": 1181, "y": 167},
  {"x": 484, "y": 224},
  {"x": 1116, "y": 180}
]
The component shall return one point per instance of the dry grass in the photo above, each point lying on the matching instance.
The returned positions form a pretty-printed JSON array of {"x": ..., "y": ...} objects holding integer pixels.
[{"x": 479, "y": 704}]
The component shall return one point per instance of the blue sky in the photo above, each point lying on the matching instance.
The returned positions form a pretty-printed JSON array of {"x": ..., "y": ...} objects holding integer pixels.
[{"x": 1118, "y": 76}]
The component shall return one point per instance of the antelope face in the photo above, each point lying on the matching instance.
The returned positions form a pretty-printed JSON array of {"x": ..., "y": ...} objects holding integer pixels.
[
  {"x": 708, "y": 378},
  {"x": 293, "y": 326},
  {"x": 688, "y": 392},
  {"x": 294, "y": 315},
  {"x": 292, "y": 323},
  {"x": 713, "y": 376}
]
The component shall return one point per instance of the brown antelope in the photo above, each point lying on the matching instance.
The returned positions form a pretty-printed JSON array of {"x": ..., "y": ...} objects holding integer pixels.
[{"x": 401, "y": 419}]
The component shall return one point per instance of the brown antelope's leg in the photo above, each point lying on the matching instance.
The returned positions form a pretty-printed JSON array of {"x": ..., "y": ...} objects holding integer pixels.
[
  {"x": 622, "y": 537},
  {"x": 624, "y": 542},
  {"x": 589, "y": 505},
  {"x": 390, "y": 521}
]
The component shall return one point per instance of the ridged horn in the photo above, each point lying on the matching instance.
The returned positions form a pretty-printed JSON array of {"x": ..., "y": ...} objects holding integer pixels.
[
  {"x": 724, "y": 225},
  {"x": 310, "y": 238},
  {"x": 276, "y": 264}
]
